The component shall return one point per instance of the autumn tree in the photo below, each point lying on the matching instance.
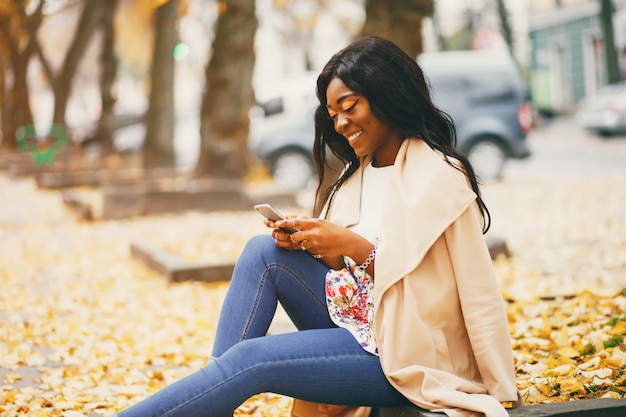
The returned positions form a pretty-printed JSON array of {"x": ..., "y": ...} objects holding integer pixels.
[
  {"x": 400, "y": 23},
  {"x": 158, "y": 150},
  {"x": 18, "y": 43},
  {"x": 61, "y": 80},
  {"x": 108, "y": 59},
  {"x": 228, "y": 94}
]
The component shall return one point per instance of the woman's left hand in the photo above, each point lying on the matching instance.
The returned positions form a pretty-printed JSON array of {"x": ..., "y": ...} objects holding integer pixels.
[{"x": 321, "y": 238}]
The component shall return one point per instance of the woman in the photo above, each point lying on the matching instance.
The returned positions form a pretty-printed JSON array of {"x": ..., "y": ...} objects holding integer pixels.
[{"x": 392, "y": 288}]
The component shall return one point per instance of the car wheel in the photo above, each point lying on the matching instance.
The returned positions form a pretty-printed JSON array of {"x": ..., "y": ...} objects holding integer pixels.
[
  {"x": 292, "y": 169},
  {"x": 487, "y": 158}
]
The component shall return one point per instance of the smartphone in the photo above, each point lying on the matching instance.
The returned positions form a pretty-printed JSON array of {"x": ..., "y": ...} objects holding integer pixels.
[{"x": 272, "y": 214}]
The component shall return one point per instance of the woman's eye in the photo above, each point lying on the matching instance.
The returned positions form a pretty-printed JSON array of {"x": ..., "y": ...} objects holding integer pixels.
[
  {"x": 349, "y": 105},
  {"x": 346, "y": 107}
]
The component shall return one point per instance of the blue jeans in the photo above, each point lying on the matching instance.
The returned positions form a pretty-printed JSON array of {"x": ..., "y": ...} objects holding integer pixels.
[{"x": 321, "y": 362}]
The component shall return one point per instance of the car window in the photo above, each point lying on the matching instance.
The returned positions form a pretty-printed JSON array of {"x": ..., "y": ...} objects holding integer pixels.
[
  {"x": 444, "y": 85},
  {"x": 486, "y": 87}
]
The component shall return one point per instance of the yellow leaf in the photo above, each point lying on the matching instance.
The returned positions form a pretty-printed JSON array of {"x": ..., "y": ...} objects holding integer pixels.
[
  {"x": 545, "y": 388},
  {"x": 572, "y": 385},
  {"x": 553, "y": 362},
  {"x": 600, "y": 373},
  {"x": 533, "y": 395},
  {"x": 12, "y": 378},
  {"x": 619, "y": 329},
  {"x": 568, "y": 352},
  {"x": 621, "y": 381},
  {"x": 612, "y": 394},
  {"x": 9, "y": 397},
  {"x": 84, "y": 398},
  {"x": 617, "y": 359},
  {"x": 561, "y": 370},
  {"x": 592, "y": 363}
]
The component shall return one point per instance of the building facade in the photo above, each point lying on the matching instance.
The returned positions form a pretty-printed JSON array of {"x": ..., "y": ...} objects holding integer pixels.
[{"x": 568, "y": 54}]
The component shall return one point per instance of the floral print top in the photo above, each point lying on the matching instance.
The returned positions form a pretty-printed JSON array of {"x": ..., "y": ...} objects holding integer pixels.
[{"x": 350, "y": 301}]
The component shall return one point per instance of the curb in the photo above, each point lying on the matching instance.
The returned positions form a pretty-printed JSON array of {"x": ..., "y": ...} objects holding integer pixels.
[{"x": 602, "y": 407}]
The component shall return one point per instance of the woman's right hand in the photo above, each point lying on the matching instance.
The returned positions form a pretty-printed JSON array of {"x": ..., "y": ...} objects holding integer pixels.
[
  {"x": 283, "y": 238},
  {"x": 323, "y": 238}
]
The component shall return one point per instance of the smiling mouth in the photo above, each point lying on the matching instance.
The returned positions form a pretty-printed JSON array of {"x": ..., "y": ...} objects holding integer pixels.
[{"x": 354, "y": 136}]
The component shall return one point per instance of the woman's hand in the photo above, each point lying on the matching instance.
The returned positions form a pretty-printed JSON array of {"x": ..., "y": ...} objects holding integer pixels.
[
  {"x": 323, "y": 239},
  {"x": 282, "y": 236}
]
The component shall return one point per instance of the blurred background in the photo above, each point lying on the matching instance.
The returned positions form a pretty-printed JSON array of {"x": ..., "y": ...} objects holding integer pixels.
[{"x": 191, "y": 85}]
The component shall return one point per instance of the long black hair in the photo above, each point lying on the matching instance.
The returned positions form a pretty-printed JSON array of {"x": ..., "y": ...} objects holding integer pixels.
[{"x": 398, "y": 94}]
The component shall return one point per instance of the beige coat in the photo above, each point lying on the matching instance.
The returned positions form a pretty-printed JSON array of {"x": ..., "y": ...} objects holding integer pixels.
[{"x": 440, "y": 320}]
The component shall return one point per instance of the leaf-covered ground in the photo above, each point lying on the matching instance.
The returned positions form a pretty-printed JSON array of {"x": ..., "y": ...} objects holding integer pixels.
[{"x": 85, "y": 330}]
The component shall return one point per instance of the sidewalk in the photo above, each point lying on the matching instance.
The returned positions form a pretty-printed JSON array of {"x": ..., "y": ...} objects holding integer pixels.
[{"x": 85, "y": 330}]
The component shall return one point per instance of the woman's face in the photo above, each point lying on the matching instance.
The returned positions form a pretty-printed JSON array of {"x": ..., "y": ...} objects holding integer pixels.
[{"x": 353, "y": 119}]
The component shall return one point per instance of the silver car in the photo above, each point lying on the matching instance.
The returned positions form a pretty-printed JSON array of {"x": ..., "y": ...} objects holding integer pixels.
[
  {"x": 604, "y": 113},
  {"x": 481, "y": 90}
]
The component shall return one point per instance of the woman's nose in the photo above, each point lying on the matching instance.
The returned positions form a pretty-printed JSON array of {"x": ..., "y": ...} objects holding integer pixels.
[{"x": 341, "y": 123}]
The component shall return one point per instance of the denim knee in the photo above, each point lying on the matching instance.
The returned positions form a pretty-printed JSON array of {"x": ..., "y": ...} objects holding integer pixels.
[{"x": 260, "y": 243}]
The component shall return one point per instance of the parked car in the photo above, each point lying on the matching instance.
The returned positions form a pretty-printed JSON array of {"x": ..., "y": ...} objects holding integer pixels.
[
  {"x": 482, "y": 91},
  {"x": 604, "y": 113},
  {"x": 484, "y": 94},
  {"x": 282, "y": 129}
]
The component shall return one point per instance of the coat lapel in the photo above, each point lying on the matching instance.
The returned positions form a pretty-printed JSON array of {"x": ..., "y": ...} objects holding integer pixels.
[{"x": 424, "y": 197}]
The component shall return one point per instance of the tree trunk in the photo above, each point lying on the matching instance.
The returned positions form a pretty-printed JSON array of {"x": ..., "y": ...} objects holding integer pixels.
[
  {"x": 158, "y": 151},
  {"x": 106, "y": 124},
  {"x": 20, "y": 101},
  {"x": 17, "y": 104},
  {"x": 606, "y": 17},
  {"x": 62, "y": 83},
  {"x": 5, "y": 143},
  {"x": 507, "y": 33},
  {"x": 228, "y": 94},
  {"x": 400, "y": 23}
]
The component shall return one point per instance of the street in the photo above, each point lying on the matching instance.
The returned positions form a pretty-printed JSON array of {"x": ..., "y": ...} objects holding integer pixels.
[{"x": 560, "y": 147}]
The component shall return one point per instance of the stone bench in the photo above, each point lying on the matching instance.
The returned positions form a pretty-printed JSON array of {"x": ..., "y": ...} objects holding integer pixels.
[
  {"x": 175, "y": 268},
  {"x": 603, "y": 407}
]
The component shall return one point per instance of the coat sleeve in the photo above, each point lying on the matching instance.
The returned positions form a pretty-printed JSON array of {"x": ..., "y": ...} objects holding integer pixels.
[{"x": 482, "y": 304}]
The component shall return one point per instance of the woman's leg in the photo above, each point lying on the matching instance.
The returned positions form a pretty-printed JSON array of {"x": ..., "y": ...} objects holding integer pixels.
[
  {"x": 264, "y": 275},
  {"x": 320, "y": 365}
]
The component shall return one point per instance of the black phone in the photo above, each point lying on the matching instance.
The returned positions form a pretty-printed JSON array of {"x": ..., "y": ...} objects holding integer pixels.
[{"x": 272, "y": 214}]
